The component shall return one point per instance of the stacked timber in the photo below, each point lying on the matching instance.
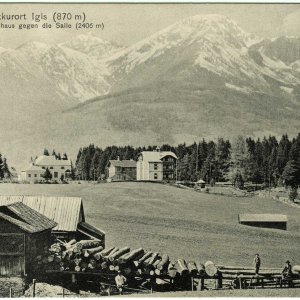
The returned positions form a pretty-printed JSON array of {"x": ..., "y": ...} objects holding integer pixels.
[
  {"x": 237, "y": 271},
  {"x": 89, "y": 256},
  {"x": 162, "y": 266},
  {"x": 296, "y": 269},
  {"x": 172, "y": 271},
  {"x": 182, "y": 267},
  {"x": 210, "y": 268}
]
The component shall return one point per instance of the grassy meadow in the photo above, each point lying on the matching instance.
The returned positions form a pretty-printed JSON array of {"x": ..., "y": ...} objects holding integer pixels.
[{"x": 183, "y": 223}]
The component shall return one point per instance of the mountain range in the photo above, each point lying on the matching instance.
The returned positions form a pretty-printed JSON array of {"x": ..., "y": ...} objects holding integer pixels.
[{"x": 202, "y": 77}]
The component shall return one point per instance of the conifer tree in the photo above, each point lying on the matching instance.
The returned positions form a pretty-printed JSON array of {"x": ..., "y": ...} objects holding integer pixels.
[
  {"x": 46, "y": 152},
  {"x": 47, "y": 175},
  {"x": 1, "y": 167}
]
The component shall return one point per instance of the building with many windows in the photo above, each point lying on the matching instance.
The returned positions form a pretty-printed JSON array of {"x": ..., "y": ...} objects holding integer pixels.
[
  {"x": 59, "y": 168},
  {"x": 156, "y": 166}
]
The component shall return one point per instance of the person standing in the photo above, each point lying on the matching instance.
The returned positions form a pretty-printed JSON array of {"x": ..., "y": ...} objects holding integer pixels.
[
  {"x": 256, "y": 263},
  {"x": 287, "y": 273},
  {"x": 120, "y": 281}
]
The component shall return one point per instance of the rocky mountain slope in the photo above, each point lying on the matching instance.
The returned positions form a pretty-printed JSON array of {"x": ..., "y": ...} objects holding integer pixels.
[{"x": 201, "y": 77}]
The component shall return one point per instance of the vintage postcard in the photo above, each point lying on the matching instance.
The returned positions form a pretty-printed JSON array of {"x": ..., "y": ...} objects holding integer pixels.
[{"x": 149, "y": 149}]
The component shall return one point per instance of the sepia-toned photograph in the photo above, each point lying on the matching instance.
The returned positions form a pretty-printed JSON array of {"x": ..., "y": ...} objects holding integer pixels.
[{"x": 149, "y": 150}]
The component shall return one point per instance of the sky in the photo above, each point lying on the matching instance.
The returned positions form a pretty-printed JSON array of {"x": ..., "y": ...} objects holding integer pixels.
[{"x": 125, "y": 24}]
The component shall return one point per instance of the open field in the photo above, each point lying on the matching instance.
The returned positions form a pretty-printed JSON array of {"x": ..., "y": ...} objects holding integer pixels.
[{"x": 182, "y": 223}]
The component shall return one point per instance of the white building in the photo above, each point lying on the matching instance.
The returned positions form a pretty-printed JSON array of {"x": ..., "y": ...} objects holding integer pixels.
[
  {"x": 156, "y": 166},
  {"x": 59, "y": 168}
]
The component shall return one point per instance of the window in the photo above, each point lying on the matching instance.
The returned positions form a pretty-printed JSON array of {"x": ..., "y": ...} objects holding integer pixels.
[
  {"x": 43, "y": 168},
  {"x": 41, "y": 175},
  {"x": 55, "y": 174},
  {"x": 155, "y": 175},
  {"x": 51, "y": 168},
  {"x": 29, "y": 175},
  {"x": 62, "y": 168},
  {"x": 35, "y": 175},
  {"x": 155, "y": 166}
]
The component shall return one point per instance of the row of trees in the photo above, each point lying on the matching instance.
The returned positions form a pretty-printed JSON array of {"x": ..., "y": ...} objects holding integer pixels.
[
  {"x": 4, "y": 169},
  {"x": 57, "y": 155},
  {"x": 265, "y": 161}
]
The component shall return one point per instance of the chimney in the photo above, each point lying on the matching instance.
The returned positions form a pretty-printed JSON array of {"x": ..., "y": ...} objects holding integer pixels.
[
  {"x": 157, "y": 149},
  {"x": 118, "y": 158}
]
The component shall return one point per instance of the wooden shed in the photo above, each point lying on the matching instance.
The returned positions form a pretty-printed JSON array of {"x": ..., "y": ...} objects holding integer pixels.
[
  {"x": 67, "y": 212},
  {"x": 24, "y": 234},
  {"x": 276, "y": 221}
]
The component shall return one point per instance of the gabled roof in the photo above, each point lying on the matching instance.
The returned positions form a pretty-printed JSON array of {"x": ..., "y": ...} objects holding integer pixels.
[
  {"x": 123, "y": 163},
  {"x": 34, "y": 168},
  {"x": 67, "y": 212},
  {"x": 156, "y": 156},
  {"x": 25, "y": 217},
  {"x": 45, "y": 160},
  {"x": 262, "y": 218}
]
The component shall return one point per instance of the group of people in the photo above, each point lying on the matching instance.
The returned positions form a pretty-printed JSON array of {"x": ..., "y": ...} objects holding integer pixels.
[{"x": 286, "y": 272}]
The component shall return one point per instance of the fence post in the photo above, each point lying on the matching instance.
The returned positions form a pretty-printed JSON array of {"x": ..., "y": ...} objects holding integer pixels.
[
  {"x": 73, "y": 278},
  {"x": 33, "y": 288},
  {"x": 202, "y": 284},
  {"x": 10, "y": 292},
  {"x": 192, "y": 280},
  {"x": 63, "y": 293}
]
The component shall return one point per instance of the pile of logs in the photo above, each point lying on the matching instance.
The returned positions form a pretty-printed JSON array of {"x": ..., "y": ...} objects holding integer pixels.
[
  {"x": 89, "y": 256},
  {"x": 233, "y": 271}
]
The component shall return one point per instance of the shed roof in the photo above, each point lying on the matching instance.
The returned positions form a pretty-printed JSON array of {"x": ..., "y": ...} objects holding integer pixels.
[
  {"x": 156, "y": 156},
  {"x": 65, "y": 211},
  {"x": 123, "y": 163},
  {"x": 200, "y": 181},
  {"x": 50, "y": 160},
  {"x": 25, "y": 217},
  {"x": 91, "y": 230},
  {"x": 262, "y": 218}
]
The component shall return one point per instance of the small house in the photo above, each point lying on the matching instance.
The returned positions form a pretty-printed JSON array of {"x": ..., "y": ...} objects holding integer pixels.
[
  {"x": 121, "y": 170},
  {"x": 67, "y": 212},
  {"x": 200, "y": 184},
  {"x": 24, "y": 234},
  {"x": 275, "y": 221}
]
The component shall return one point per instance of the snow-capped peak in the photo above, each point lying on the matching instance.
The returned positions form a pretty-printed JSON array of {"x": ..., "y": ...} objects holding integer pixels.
[
  {"x": 33, "y": 45},
  {"x": 211, "y": 38},
  {"x": 84, "y": 41},
  {"x": 90, "y": 44},
  {"x": 220, "y": 26}
]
